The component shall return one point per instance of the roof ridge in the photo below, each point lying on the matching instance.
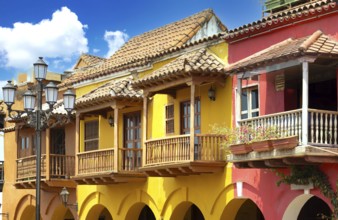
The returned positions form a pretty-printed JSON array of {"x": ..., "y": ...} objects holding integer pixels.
[{"x": 310, "y": 40}]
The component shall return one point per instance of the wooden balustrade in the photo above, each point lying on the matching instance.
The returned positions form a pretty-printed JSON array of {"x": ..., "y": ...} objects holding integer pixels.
[
  {"x": 177, "y": 149},
  {"x": 167, "y": 150},
  {"x": 131, "y": 159},
  {"x": 209, "y": 147},
  {"x": 61, "y": 166},
  {"x": 26, "y": 168},
  {"x": 322, "y": 127},
  {"x": 96, "y": 161}
]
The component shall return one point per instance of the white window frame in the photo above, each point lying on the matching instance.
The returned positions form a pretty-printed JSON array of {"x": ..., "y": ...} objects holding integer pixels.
[{"x": 249, "y": 111}]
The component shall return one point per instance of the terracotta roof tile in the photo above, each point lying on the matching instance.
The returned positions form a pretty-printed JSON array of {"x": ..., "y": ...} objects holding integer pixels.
[
  {"x": 139, "y": 50},
  {"x": 289, "y": 15},
  {"x": 200, "y": 62},
  {"x": 91, "y": 60},
  {"x": 114, "y": 89},
  {"x": 317, "y": 44}
]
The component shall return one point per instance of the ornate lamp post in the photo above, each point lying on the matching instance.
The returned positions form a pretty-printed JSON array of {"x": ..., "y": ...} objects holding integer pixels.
[{"x": 38, "y": 118}]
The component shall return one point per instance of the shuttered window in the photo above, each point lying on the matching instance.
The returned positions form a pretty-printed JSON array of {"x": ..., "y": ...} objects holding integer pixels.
[
  {"x": 91, "y": 141},
  {"x": 169, "y": 119}
]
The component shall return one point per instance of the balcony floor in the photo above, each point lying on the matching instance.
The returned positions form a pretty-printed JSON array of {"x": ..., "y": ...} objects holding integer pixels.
[
  {"x": 47, "y": 185},
  {"x": 184, "y": 168},
  {"x": 300, "y": 155},
  {"x": 106, "y": 178}
]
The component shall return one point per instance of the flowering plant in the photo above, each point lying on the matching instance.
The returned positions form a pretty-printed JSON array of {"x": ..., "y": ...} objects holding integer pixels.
[
  {"x": 238, "y": 135},
  {"x": 262, "y": 133}
]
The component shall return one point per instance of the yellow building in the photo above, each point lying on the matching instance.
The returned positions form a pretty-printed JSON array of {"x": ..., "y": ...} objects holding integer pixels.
[{"x": 142, "y": 138}]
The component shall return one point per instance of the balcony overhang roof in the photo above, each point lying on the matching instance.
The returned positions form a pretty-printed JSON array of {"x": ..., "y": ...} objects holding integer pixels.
[
  {"x": 316, "y": 45},
  {"x": 113, "y": 90},
  {"x": 198, "y": 63}
]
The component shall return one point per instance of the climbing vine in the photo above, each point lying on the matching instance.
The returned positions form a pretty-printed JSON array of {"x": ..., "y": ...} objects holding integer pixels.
[{"x": 303, "y": 175}]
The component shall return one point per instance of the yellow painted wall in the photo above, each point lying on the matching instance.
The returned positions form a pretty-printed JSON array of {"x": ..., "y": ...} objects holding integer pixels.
[
  {"x": 162, "y": 195},
  {"x": 209, "y": 192}
]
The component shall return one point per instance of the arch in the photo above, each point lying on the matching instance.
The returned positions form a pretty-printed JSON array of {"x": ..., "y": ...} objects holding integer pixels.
[
  {"x": 187, "y": 211},
  {"x": 221, "y": 197},
  {"x": 140, "y": 211},
  {"x": 242, "y": 208},
  {"x": 61, "y": 212},
  {"x": 26, "y": 201},
  {"x": 137, "y": 197},
  {"x": 297, "y": 207},
  {"x": 92, "y": 197},
  {"x": 99, "y": 211}
]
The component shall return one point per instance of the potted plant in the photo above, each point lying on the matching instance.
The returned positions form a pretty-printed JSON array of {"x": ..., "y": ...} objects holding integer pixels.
[
  {"x": 262, "y": 136},
  {"x": 236, "y": 141}
]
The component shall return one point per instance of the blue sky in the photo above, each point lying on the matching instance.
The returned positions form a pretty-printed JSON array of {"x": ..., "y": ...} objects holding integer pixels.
[{"x": 60, "y": 30}]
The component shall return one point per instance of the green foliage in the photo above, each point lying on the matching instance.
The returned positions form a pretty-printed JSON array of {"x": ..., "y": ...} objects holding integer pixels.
[{"x": 303, "y": 175}]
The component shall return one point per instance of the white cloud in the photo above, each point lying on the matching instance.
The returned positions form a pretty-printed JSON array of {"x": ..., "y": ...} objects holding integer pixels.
[
  {"x": 115, "y": 40},
  {"x": 95, "y": 50},
  {"x": 62, "y": 36}
]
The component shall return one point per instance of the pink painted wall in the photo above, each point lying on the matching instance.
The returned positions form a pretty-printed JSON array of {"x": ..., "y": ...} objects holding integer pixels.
[
  {"x": 259, "y": 185},
  {"x": 248, "y": 46}
]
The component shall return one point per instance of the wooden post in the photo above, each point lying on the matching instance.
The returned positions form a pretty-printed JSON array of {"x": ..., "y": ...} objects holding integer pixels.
[
  {"x": 77, "y": 142},
  {"x": 238, "y": 100},
  {"x": 48, "y": 154},
  {"x": 192, "y": 121},
  {"x": 144, "y": 129},
  {"x": 116, "y": 139},
  {"x": 305, "y": 101}
]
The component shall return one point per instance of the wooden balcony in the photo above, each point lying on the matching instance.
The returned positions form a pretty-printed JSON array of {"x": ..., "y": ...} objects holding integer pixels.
[
  {"x": 172, "y": 156},
  {"x": 99, "y": 167},
  {"x": 56, "y": 171},
  {"x": 322, "y": 143}
]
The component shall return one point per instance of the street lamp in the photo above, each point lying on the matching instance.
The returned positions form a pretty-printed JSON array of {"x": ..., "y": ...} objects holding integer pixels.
[
  {"x": 38, "y": 117},
  {"x": 64, "y": 195}
]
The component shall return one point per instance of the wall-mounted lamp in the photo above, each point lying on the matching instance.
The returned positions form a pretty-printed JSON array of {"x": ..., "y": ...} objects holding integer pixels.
[
  {"x": 111, "y": 121},
  {"x": 212, "y": 94},
  {"x": 64, "y": 195}
]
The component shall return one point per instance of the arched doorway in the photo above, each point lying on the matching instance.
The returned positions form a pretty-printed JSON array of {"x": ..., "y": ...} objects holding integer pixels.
[
  {"x": 99, "y": 212},
  {"x": 187, "y": 211},
  {"x": 242, "y": 209},
  {"x": 28, "y": 213},
  {"x": 307, "y": 207},
  {"x": 63, "y": 213},
  {"x": 140, "y": 211},
  {"x": 193, "y": 213},
  {"x": 146, "y": 214},
  {"x": 249, "y": 211}
]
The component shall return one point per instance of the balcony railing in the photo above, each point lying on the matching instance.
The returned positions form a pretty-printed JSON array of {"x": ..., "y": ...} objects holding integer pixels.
[
  {"x": 131, "y": 159},
  {"x": 61, "y": 166},
  {"x": 177, "y": 149},
  {"x": 322, "y": 125},
  {"x": 96, "y": 161}
]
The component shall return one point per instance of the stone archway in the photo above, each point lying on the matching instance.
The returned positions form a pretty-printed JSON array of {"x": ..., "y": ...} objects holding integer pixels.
[
  {"x": 99, "y": 212},
  {"x": 242, "y": 208},
  {"x": 306, "y": 206}
]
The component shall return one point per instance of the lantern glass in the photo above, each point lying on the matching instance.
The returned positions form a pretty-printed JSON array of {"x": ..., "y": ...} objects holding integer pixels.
[
  {"x": 64, "y": 194},
  {"x": 51, "y": 93},
  {"x": 9, "y": 93},
  {"x": 40, "y": 69},
  {"x": 69, "y": 100},
  {"x": 29, "y": 101}
]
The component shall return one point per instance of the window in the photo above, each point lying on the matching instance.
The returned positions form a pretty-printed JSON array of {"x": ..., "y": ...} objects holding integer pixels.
[
  {"x": 169, "y": 119},
  {"x": 249, "y": 103},
  {"x": 185, "y": 117},
  {"x": 91, "y": 136}
]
